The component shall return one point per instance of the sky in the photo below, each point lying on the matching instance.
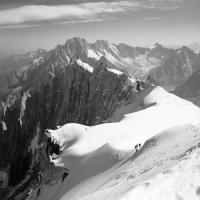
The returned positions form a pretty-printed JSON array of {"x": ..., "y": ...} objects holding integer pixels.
[{"x": 27, "y": 25}]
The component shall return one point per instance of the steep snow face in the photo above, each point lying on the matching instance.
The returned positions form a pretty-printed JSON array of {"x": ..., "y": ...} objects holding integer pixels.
[
  {"x": 93, "y": 54},
  {"x": 85, "y": 65},
  {"x": 115, "y": 71},
  {"x": 4, "y": 126},
  {"x": 102, "y": 160},
  {"x": 25, "y": 96}
]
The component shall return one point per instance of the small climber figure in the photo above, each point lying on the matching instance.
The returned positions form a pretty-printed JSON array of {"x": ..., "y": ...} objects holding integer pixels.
[
  {"x": 138, "y": 147},
  {"x": 65, "y": 174}
]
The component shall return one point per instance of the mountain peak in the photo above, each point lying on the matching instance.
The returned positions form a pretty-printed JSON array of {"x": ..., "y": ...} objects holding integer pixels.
[
  {"x": 156, "y": 45},
  {"x": 77, "y": 47},
  {"x": 187, "y": 49},
  {"x": 76, "y": 41},
  {"x": 102, "y": 44}
]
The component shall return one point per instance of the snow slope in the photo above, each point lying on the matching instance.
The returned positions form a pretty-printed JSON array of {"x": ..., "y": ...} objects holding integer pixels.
[
  {"x": 103, "y": 163},
  {"x": 85, "y": 65},
  {"x": 115, "y": 71}
]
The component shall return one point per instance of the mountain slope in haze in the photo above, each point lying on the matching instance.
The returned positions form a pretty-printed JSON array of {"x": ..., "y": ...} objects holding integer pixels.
[
  {"x": 177, "y": 66},
  {"x": 13, "y": 69},
  {"x": 190, "y": 89},
  {"x": 103, "y": 164},
  {"x": 195, "y": 47},
  {"x": 168, "y": 67}
]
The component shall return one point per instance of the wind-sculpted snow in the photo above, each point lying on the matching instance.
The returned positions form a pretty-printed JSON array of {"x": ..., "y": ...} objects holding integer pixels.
[{"x": 103, "y": 163}]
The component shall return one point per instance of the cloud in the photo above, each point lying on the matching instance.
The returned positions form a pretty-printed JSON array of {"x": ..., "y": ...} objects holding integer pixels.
[
  {"x": 151, "y": 18},
  {"x": 77, "y": 13},
  {"x": 87, "y": 20},
  {"x": 38, "y": 13},
  {"x": 18, "y": 26},
  {"x": 164, "y": 5}
]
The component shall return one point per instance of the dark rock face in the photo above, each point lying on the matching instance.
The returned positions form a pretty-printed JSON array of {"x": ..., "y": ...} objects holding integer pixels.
[
  {"x": 54, "y": 93},
  {"x": 14, "y": 68},
  {"x": 190, "y": 90}
]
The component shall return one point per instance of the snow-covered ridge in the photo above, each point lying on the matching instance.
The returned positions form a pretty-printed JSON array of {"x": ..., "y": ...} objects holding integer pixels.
[
  {"x": 87, "y": 67},
  {"x": 88, "y": 150},
  {"x": 168, "y": 111}
]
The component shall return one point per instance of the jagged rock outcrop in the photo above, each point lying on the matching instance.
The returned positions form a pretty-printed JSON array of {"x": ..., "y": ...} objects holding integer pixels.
[
  {"x": 55, "y": 93},
  {"x": 169, "y": 67}
]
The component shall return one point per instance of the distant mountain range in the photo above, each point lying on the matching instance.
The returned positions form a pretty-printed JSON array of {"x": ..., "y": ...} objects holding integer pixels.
[
  {"x": 195, "y": 47},
  {"x": 190, "y": 90},
  {"x": 168, "y": 67}
]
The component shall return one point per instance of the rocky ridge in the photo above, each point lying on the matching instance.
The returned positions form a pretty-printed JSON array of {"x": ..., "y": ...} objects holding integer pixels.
[
  {"x": 168, "y": 67},
  {"x": 55, "y": 92}
]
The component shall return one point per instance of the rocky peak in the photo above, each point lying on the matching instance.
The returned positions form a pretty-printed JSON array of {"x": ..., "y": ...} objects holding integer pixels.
[
  {"x": 158, "y": 51},
  {"x": 127, "y": 51},
  {"x": 157, "y": 45},
  {"x": 77, "y": 47},
  {"x": 101, "y": 44},
  {"x": 188, "y": 52}
]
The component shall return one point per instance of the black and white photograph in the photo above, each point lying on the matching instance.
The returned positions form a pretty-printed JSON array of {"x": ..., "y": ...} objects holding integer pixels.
[{"x": 99, "y": 99}]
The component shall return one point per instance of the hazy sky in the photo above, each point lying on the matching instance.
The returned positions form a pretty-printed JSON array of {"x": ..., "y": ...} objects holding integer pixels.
[{"x": 30, "y": 24}]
